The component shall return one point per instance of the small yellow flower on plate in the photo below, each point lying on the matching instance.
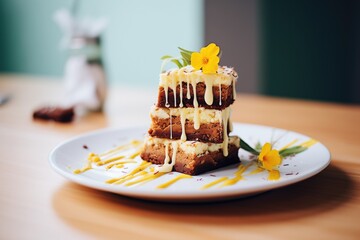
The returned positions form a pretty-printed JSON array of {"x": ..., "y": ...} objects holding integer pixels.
[
  {"x": 269, "y": 158},
  {"x": 207, "y": 59}
]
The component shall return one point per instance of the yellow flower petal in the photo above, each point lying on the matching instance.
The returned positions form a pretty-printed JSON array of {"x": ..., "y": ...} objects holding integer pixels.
[
  {"x": 210, "y": 50},
  {"x": 212, "y": 65},
  {"x": 196, "y": 60},
  {"x": 273, "y": 157},
  {"x": 269, "y": 158},
  {"x": 266, "y": 165},
  {"x": 264, "y": 151}
]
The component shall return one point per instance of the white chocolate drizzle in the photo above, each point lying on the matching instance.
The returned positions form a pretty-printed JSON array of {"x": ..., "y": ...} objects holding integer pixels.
[
  {"x": 173, "y": 86},
  {"x": 170, "y": 118},
  {"x": 225, "y": 121},
  {"x": 209, "y": 96},
  {"x": 180, "y": 77},
  {"x": 168, "y": 166},
  {"x": 196, "y": 105},
  {"x": 188, "y": 87},
  {"x": 183, "y": 121},
  {"x": 181, "y": 96},
  {"x": 196, "y": 118},
  {"x": 166, "y": 89}
]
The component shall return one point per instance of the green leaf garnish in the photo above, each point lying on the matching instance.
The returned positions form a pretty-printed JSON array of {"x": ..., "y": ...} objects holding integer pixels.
[
  {"x": 165, "y": 57},
  {"x": 292, "y": 151},
  {"x": 180, "y": 62},
  {"x": 247, "y": 147},
  {"x": 177, "y": 62},
  {"x": 186, "y": 51}
]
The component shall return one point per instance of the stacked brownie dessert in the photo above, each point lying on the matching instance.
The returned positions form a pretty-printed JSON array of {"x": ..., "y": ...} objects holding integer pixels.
[{"x": 190, "y": 125}]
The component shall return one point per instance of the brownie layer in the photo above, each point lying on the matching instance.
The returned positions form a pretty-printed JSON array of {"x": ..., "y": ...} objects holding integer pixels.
[
  {"x": 191, "y": 162},
  {"x": 226, "y": 95},
  {"x": 208, "y": 132}
]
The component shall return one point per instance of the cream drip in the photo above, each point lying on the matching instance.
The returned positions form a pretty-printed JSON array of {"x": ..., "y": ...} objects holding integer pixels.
[
  {"x": 168, "y": 166},
  {"x": 196, "y": 106},
  {"x": 196, "y": 118},
  {"x": 188, "y": 87},
  {"x": 173, "y": 86},
  {"x": 183, "y": 121},
  {"x": 170, "y": 118},
  {"x": 209, "y": 96},
  {"x": 181, "y": 96},
  {"x": 180, "y": 76},
  {"x": 166, "y": 89}
]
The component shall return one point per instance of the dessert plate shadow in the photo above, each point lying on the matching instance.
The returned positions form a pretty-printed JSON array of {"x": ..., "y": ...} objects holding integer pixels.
[{"x": 72, "y": 154}]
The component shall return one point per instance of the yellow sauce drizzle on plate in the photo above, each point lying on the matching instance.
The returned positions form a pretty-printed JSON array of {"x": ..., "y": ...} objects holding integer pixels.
[
  {"x": 132, "y": 174},
  {"x": 174, "y": 180},
  {"x": 213, "y": 183},
  {"x": 257, "y": 170},
  {"x": 238, "y": 175},
  {"x": 288, "y": 145},
  {"x": 308, "y": 143},
  {"x": 145, "y": 178},
  {"x": 274, "y": 175}
]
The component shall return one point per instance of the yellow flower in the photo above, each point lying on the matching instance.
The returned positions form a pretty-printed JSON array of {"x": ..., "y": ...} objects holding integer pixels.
[
  {"x": 207, "y": 59},
  {"x": 269, "y": 158}
]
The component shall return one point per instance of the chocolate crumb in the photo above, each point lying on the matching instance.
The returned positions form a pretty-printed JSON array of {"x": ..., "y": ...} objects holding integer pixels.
[
  {"x": 85, "y": 147},
  {"x": 286, "y": 164},
  {"x": 213, "y": 175}
]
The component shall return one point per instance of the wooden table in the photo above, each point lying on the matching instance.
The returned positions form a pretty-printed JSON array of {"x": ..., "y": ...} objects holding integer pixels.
[{"x": 37, "y": 203}]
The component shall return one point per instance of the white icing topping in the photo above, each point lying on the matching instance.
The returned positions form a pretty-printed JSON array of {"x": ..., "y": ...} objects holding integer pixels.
[
  {"x": 224, "y": 75},
  {"x": 192, "y": 147},
  {"x": 205, "y": 115}
]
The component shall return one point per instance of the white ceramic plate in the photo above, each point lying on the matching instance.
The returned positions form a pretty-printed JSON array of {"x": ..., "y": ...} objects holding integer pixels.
[{"x": 71, "y": 155}]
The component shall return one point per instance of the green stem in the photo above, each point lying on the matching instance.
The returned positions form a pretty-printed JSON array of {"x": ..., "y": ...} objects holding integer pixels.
[{"x": 247, "y": 147}]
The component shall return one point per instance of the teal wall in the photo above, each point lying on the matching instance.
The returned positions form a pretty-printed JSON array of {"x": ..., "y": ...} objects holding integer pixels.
[
  {"x": 310, "y": 49},
  {"x": 139, "y": 33}
]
